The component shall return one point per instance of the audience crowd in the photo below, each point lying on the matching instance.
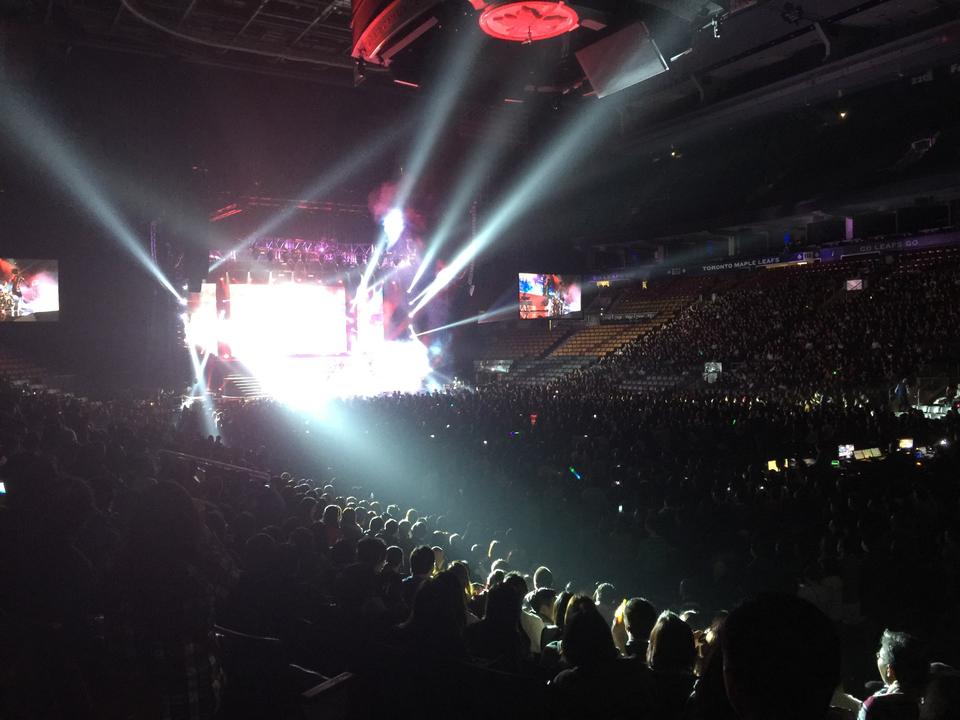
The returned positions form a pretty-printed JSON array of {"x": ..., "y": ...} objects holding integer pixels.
[{"x": 568, "y": 551}]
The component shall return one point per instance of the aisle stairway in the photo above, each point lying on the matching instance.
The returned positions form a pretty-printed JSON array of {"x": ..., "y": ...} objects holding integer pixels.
[{"x": 238, "y": 385}]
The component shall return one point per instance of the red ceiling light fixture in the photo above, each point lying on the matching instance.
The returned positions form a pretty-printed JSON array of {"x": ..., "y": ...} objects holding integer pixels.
[{"x": 526, "y": 22}]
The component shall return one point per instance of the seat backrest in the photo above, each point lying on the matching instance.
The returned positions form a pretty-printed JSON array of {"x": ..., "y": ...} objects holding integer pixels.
[
  {"x": 331, "y": 699},
  {"x": 892, "y": 707},
  {"x": 256, "y": 670},
  {"x": 407, "y": 685}
]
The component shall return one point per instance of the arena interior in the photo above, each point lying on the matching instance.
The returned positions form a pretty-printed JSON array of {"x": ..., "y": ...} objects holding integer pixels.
[{"x": 480, "y": 359}]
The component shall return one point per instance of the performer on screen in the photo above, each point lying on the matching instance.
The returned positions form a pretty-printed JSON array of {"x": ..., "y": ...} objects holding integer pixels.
[
  {"x": 555, "y": 293},
  {"x": 16, "y": 289}
]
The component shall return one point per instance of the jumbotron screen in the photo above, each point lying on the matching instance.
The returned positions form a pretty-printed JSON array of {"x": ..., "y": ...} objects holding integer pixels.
[
  {"x": 29, "y": 290},
  {"x": 549, "y": 296}
]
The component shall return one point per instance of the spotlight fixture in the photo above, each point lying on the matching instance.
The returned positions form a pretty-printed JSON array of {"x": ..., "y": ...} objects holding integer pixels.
[
  {"x": 843, "y": 114},
  {"x": 526, "y": 22}
]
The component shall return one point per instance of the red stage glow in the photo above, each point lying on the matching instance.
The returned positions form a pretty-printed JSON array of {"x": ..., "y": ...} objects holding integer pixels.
[
  {"x": 226, "y": 212},
  {"x": 528, "y": 21}
]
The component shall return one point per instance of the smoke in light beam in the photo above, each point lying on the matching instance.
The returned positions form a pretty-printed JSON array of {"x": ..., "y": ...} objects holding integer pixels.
[
  {"x": 438, "y": 109},
  {"x": 488, "y": 152},
  {"x": 568, "y": 149},
  {"x": 489, "y": 315},
  {"x": 372, "y": 263},
  {"x": 420, "y": 295},
  {"x": 47, "y": 146},
  {"x": 199, "y": 393},
  {"x": 340, "y": 172}
]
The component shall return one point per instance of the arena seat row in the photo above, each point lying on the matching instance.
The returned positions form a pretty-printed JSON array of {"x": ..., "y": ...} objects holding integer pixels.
[
  {"x": 652, "y": 383},
  {"x": 550, "y": 369},
  {"x": 635, "y": 300},
  {"x": 530, "y": 341},
  {"x": 15, "y": 368},
  {"x": 599, "y": 340}
]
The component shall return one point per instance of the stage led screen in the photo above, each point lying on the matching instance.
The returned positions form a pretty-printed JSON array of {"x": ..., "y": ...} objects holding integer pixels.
[
  {"x": 549, "y": 296},
  {"x": 29, "y": 290},
  {"x": 201, "y": 321},
  {"x": 369, "y": 325},
  {"x": 286, "y": 319}
]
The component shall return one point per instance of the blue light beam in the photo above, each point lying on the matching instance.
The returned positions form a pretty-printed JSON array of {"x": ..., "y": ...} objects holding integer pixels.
[
  {"x": 438, "y": 110},
  {"x": 489, "y": 152},
  {"x": 199, "y": 392},
  {"x": 489, "y": 315},
  {"x": 340, "y": 172},
  {"x": 570, "y": 147},
  {"x": 46, "y": 145}
]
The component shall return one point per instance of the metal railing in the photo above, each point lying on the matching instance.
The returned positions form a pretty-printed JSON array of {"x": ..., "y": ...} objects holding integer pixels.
[{"x": 216, "y": 464}]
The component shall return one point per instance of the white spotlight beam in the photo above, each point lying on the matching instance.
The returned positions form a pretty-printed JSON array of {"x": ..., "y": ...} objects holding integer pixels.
[
  {"x": 567, "y": 150},
  {"x": 199, "y": 391},
  {"x": 420, "y": 295},
  {"x": 372, "y": 263},
  {"x": 340, "y": 172},
  {"x": 489, "y": 315},
  {"x": 438, "y": 111},
  {"x": 488, "y": 153},
  {"x": 45, "y": 145},
  {"x": 381, "y": 280}
]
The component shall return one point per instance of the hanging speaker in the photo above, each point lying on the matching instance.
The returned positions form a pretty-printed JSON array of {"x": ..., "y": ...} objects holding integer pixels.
[{"x": 625, "y": 58}]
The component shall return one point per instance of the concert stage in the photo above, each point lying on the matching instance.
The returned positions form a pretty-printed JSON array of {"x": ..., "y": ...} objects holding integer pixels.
[{"x": 305, "y": 341}]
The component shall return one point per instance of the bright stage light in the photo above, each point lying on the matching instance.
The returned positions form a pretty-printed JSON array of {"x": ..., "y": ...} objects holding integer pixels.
[
  {"x": 47, "y": 147},
  {"x": 393, "y": 226},
  {"x": 293, "y": 338},
  {"x": 570, "y": 147},
  {"x": 310, "y": 383},
  {"x": 286, "y": 319}
]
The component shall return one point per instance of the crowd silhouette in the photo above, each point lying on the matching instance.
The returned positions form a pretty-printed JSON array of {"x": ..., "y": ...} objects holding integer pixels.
[{"x": 574, "y": 550}]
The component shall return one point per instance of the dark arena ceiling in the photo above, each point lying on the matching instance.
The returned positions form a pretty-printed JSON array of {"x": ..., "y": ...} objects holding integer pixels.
[
  {"x": 746, "y": 101},
  {"x": 713, "y": 49}
]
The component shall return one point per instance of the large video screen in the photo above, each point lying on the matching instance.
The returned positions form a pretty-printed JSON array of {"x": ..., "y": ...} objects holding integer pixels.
[
  {"x": 549, "y": 296},
  {"x": 369, "y": 322},
  {"x": 202, "y": 322},
  {"x": 29, "y": 290},
  {"x": 288, "y": 318}
]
